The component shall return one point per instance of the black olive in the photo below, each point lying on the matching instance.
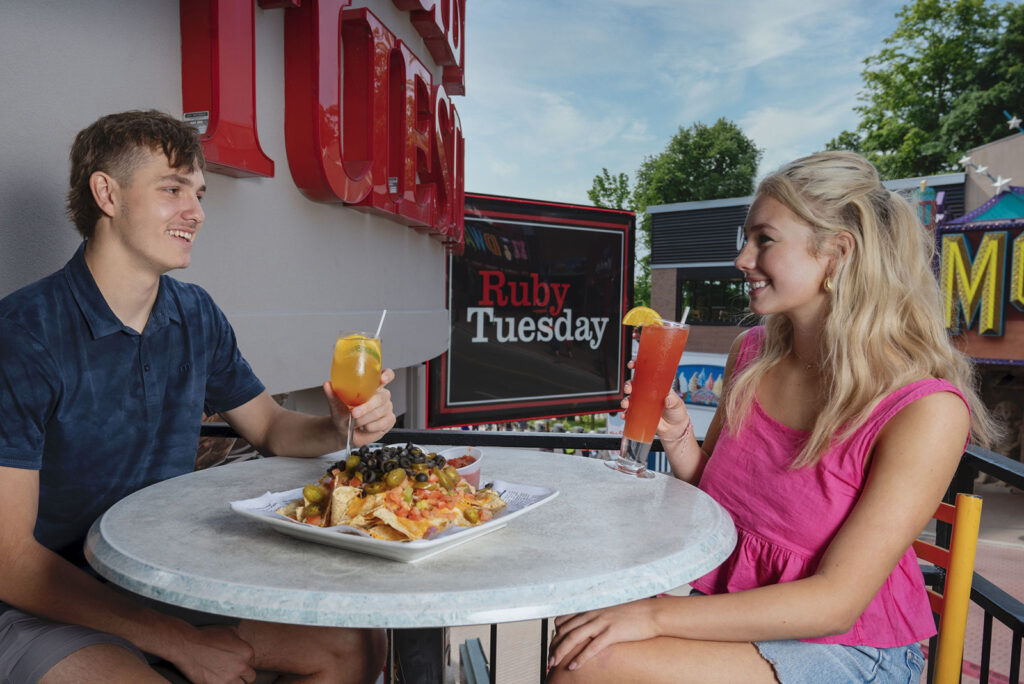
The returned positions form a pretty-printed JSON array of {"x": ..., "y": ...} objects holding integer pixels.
[
  {"x": 422, "y": 477},
  {"x": 440, "y": 461}
]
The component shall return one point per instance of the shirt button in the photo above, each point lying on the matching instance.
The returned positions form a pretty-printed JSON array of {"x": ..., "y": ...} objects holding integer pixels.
[{"x": 146, "y": 368}]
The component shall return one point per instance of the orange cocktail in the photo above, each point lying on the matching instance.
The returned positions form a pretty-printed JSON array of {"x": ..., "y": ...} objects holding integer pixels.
[
  {"x": 657, "y": 361},
  {"x": 355, "y": 368},
  {"x": 355, "y": 371}
]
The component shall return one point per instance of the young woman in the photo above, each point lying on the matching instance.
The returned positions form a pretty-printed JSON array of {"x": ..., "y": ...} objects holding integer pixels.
[{"x": 844, "y": 418}]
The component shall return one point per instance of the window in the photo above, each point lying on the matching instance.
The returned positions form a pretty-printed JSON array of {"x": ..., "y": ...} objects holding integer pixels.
[{"x": 716, "y": 302}]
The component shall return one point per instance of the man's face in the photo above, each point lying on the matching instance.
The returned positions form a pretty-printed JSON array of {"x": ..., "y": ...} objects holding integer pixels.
[{"x": 159, "y": 214}]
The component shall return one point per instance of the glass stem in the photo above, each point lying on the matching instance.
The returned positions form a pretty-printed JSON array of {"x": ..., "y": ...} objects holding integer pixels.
[{"x": 348, "y": 436}]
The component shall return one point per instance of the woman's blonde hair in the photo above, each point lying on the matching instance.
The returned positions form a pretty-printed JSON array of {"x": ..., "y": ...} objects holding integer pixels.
[{"x": 884, "y": 328}]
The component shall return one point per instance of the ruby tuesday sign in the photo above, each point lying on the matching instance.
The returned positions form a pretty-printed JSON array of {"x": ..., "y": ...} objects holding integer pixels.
[
  {"x": 366, "y": 124},
  {"x": 535, "y": 301}
]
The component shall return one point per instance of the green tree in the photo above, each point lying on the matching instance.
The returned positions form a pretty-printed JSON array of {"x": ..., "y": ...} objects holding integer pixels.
[
  {"x": 939, "y": 85},
  {"x": 610, "y": 192},
  {"x": 699, "y": 163}
]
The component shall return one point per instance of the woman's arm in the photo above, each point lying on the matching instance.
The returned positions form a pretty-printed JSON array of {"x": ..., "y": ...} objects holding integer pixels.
[{"x": 920, "y": 446}]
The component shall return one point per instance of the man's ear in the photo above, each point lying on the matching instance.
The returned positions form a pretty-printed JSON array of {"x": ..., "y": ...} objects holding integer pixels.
[{"x": 105, "y": 191}]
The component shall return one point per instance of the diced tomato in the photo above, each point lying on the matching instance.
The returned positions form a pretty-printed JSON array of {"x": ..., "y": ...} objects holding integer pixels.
[
  {"x": 485, "y": 515},
  {"x": 315, "y": 519},
  {"x": 414, "y": 515}
]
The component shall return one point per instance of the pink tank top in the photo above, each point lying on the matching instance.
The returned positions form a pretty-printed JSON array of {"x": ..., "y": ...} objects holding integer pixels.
[{"x": 785, "y": 519}]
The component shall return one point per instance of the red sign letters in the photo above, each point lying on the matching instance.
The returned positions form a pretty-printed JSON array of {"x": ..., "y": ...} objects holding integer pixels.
[{"x": 365, "y": 125}]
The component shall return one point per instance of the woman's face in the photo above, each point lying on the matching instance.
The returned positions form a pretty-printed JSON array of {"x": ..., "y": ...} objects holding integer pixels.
[{"x": 782, "y": 274}]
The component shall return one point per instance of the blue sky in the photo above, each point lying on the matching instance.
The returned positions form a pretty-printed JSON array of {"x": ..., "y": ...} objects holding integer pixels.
[{"x": 558, "y": 89}]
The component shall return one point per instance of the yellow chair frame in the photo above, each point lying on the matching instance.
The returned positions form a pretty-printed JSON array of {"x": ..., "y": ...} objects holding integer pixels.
[{"x": 958, "y": 562}]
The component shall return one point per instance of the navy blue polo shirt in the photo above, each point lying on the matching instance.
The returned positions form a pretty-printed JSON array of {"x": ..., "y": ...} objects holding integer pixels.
[{"x": 99, "y": 409}]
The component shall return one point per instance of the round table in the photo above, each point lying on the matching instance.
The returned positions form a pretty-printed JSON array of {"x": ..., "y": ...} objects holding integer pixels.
[{"x": 608, "y": 538}]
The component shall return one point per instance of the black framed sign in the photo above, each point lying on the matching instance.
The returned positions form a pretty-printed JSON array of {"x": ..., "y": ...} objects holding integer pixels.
[{"x": 535, "y": 303}]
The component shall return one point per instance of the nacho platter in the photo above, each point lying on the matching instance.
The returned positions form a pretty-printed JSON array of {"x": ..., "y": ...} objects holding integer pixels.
[{"x": 519, "y": 498}]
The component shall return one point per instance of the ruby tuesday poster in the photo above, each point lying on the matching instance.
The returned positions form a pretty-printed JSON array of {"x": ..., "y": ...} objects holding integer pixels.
[{"x": 535, "y": 302}]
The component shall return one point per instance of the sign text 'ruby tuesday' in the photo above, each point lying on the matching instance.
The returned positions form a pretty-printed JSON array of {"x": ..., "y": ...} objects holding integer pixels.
[
  {"x": 365, "y": 122},
  {"x": 535, "y": 301}
]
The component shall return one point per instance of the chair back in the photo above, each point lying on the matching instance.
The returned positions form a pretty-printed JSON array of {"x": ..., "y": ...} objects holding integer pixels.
[{"x": 951, "y": 605}]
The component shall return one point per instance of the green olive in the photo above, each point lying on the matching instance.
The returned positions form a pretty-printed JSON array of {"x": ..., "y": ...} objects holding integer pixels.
[
  {"x": 313, "y": 509},
  {"x": 424, "y": 485},
  {"x": 374, "y": 487},
  {"x": 351, "y": 462},
  {"x": 313, "y": 493},
  {"x": 472, "y": 515},
  {"x": 395, "y": 477}
]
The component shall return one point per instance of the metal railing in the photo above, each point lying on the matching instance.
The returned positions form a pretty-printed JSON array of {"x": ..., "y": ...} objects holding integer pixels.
[{"x": 996, "y": 603}]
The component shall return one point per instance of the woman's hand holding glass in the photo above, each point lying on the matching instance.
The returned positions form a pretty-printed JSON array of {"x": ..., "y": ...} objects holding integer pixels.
[{"x": 674, "y": 420}]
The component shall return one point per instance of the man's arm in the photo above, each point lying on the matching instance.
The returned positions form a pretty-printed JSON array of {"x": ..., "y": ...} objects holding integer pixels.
[
  {"x": 38, "y": 581},
  {"x": 274, "y": 430}
]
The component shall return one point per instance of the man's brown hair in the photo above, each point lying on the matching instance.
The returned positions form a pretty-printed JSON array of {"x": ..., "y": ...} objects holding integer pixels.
[{"x": 116, "y": 144}]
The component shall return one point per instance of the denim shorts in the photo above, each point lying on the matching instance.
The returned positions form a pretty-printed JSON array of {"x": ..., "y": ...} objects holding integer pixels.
[{"x": 800, "y": 662}]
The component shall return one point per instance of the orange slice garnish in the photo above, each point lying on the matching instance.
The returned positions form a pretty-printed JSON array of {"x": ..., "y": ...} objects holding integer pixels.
[{"x": 641, "y": 315}]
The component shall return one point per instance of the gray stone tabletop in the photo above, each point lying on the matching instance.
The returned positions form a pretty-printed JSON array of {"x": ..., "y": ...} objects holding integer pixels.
[{"x": 606, "y": 539}]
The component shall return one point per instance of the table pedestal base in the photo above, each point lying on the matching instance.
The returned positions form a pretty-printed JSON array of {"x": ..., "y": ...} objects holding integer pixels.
[{"x": 418, "y": 656}]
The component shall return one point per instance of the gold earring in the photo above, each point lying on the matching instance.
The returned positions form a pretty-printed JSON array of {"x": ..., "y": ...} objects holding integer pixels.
[{"x": 829, "y": 285}]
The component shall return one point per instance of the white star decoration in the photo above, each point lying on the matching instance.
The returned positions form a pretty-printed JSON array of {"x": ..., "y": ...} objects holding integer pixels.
[
  {"x": 981, "y": 169},
  {"x": 964, "y": 160},
  {"x": 1001, "y": 184},
  {"x": 1015, "y": 122}
]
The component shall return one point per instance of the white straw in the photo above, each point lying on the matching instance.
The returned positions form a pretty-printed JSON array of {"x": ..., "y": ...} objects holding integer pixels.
[
  {"x": 381, "y": 324},
  {"x": 686, "y": 312}
]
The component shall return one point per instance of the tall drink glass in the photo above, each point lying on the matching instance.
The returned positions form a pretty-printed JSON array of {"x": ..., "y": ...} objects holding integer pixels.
[
  {"x": 657, "y": 361},
  {"x": 355, "y": 371}
]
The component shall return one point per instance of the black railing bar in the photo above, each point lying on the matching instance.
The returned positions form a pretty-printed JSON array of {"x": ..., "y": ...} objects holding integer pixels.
[
  {"x": 986, "y": 647},
  {"x": 1015, "y": 656},
  {"x": 989, "y": 462},
  {"x": 478, "y": 438},
  {"x": 1005, "y": 608}
]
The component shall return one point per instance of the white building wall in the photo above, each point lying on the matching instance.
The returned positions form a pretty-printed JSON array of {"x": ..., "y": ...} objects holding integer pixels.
[{"x": 288, "y": 272}]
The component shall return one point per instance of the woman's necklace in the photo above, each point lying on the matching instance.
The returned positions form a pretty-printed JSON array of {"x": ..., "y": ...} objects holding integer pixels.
[{"x": 807, "y": 366}]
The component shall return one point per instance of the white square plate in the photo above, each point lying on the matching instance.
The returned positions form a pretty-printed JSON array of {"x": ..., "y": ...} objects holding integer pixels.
[{"x": 518, "y": 498}]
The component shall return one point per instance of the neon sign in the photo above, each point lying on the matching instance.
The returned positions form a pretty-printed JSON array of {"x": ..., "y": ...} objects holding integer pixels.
[{"x": 974, "y": 287}]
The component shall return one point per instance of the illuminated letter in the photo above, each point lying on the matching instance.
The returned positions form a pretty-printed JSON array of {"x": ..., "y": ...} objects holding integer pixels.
[
  {"x": 1017, "y": 274},
  {"x": 362, "y": 27},
  {"x": 442, "y": 25},
  {"x": 979, "y": 286},
  {"x": 321, "y": 153},
  {"x": 412, "y": 126},
  {"x": 218, "y": 84}
]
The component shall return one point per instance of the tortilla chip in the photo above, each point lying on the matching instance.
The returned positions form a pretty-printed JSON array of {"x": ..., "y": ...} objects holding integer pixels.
[
  {"x": 386, "y": 533},
  {"x": 413, "y": 529},
  {"x": 341, "y": 499},
  {"x": 291, "y": 509}
]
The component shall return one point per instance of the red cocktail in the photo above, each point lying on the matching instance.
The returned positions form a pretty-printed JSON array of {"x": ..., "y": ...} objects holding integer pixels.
[{"x": 657, "y": 361}]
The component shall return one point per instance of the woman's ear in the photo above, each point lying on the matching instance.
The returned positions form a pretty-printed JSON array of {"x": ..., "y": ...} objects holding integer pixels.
[{"x": 844, "y": 245}]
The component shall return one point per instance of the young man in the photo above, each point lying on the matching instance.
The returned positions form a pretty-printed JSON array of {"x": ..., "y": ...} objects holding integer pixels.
[{"x": 106, "y": 368}]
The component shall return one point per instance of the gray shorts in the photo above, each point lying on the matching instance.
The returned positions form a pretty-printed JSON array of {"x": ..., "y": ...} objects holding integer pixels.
[
  {"x": 801, "y": 662},
  {"x": 30, "y": 646}
]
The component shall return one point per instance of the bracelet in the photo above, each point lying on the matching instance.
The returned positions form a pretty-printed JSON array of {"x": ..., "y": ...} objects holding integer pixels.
[{"x": 686, "y": 433}]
